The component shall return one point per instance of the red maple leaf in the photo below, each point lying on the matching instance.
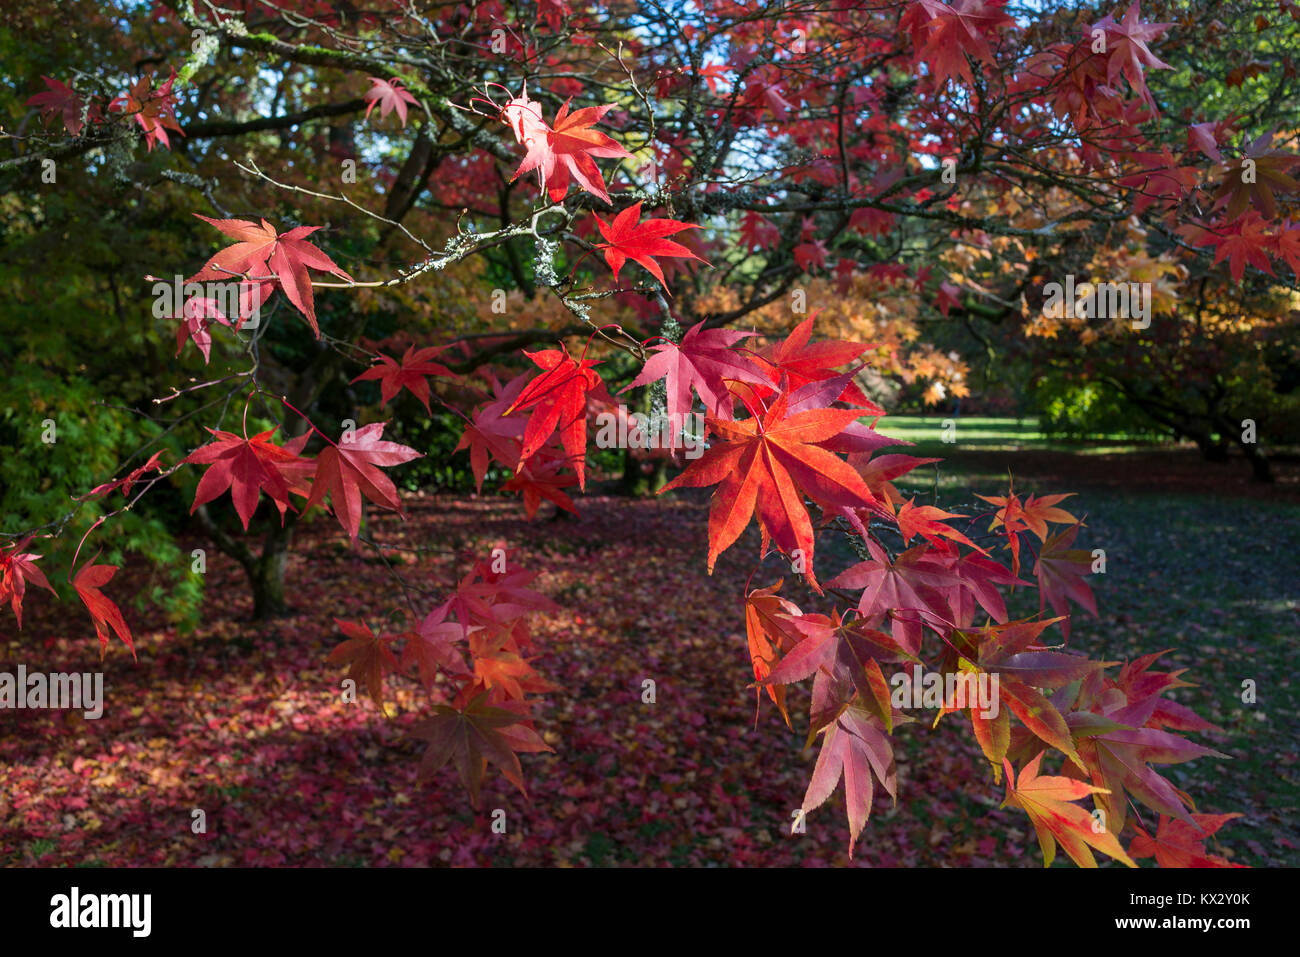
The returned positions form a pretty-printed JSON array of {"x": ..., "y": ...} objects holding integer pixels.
[
  {"x": 197, "y": 314},
  {"x": 1206, "y": 137},
  {"x": 559, "y": 399},
  {"x": 811, "y": 255},
  {"x": 911, "y": 587},
  {"x": 948, "y": 296},
  {"x": 857, "y": 437},
  {"x": 411, "y": 373},
  {"x": 1288, "y": 245},
  {"x": 1032, "y": 514},
  {"x": 555, "y": 12},
  {"x": 524, "y": 117},
  {"x": 1144, "y": 688},
  {"x": 855, "y": 747},
  {"x": 1061, "y": 570},
  {"x": 757, "y": 232},
  {"x": 499, "y": 666},
  {"x": 845, "y": 270},
  {"x": 927, "y": 521},
  {"x": 705, "y": 360},
  {"x": 767, "y": 464},
  {"x": 262, "y": 254},
  {"x": 127, "y": 482},
  {"x": 495, "y": 598},
  {"x": 1160, "y": 181},
  {"x": 16, "y": 569},
  {"x": 626, "y": 239},
  {"x": 761, "y": 92},
  {"x": 1023, "y": 665},
  {"x": 1046, "y": 801},
  {"x": 430, "y": 647},
  {"x": 61, "y": 100},
  {"x": 248, "y": 466},
  {"x": 845, "y": 659},
  {"x": 1139, "y": 682},
  {"x": 1245, "y": 242},
  {"x": 537, "y": 478},
  {"x": 368, "y": 656},
  {"x": 1252, "y": 180},
  {"x": 800, "y": 361},
  {"x": 472, "y": 736},
  {"x": 389, "y": 95},
  {"x": 944, "y": 35},
  {"x": 1118, "y": 752},
  {"x": 1179, "y": 844},
  {"x": 771, "y": 633},
  {"x": 979, "y": 577},
  {"x": 348, "y": 470},
  {"x": 105, "y": 615},
  {"x": 880, "y": 471},
  {"x": 152, "y": 109},
  {"x": 494, "y": 435},
  {"x": 564, "y": 150},
  {"x": 713, "y": 74},
  {"x": 1127, "y": 52}
]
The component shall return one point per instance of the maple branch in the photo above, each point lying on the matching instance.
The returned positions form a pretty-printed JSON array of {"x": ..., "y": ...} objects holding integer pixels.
[
  {"x": 213, "y": 128},
  {"x": 100, "y": 137},
  {"x": 253, "y": 169},
  {"x": 233, "y": 32}
]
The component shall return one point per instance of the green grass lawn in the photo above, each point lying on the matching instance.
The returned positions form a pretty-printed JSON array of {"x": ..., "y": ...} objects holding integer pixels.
[{"x": 987, "y": 433}]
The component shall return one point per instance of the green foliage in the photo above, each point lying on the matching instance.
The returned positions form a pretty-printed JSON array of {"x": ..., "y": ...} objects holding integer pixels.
[
  {"x": 1071, "y": 408},
  {"x": 62, "y": 440}
]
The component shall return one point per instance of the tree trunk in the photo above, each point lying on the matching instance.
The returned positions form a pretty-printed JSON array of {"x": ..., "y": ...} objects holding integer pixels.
[
  {"x": 266, "y": 575},
  {"x": 1259, "y": 466},
  {"x": 1211, "y": 450},
  {"x": 638, "y": 483},
  {"x": 265, "y": 571},
  {"x": 658, "y": 477},
  {"x": 633, "y": 483}
]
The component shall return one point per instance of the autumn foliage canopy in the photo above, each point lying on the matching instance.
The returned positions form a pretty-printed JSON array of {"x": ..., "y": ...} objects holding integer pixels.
[{"x": 720, "y": 209}]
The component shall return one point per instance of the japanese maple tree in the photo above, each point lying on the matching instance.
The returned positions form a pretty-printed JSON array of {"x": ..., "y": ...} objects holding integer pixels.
[{"x": 799, "y": 189}]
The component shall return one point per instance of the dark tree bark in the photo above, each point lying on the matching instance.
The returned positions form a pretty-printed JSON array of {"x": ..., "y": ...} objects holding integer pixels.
[
  {"x": 636, "y": 481},
  {"x": 267, "y": 575},
  {"x": 1259, "y": 465},
  {"x": 1260, "y": 468},
  {"x": 639, "y": 483},
  {"x": 265, "y": 572},
  {"x": 1212, "y": 449}
]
